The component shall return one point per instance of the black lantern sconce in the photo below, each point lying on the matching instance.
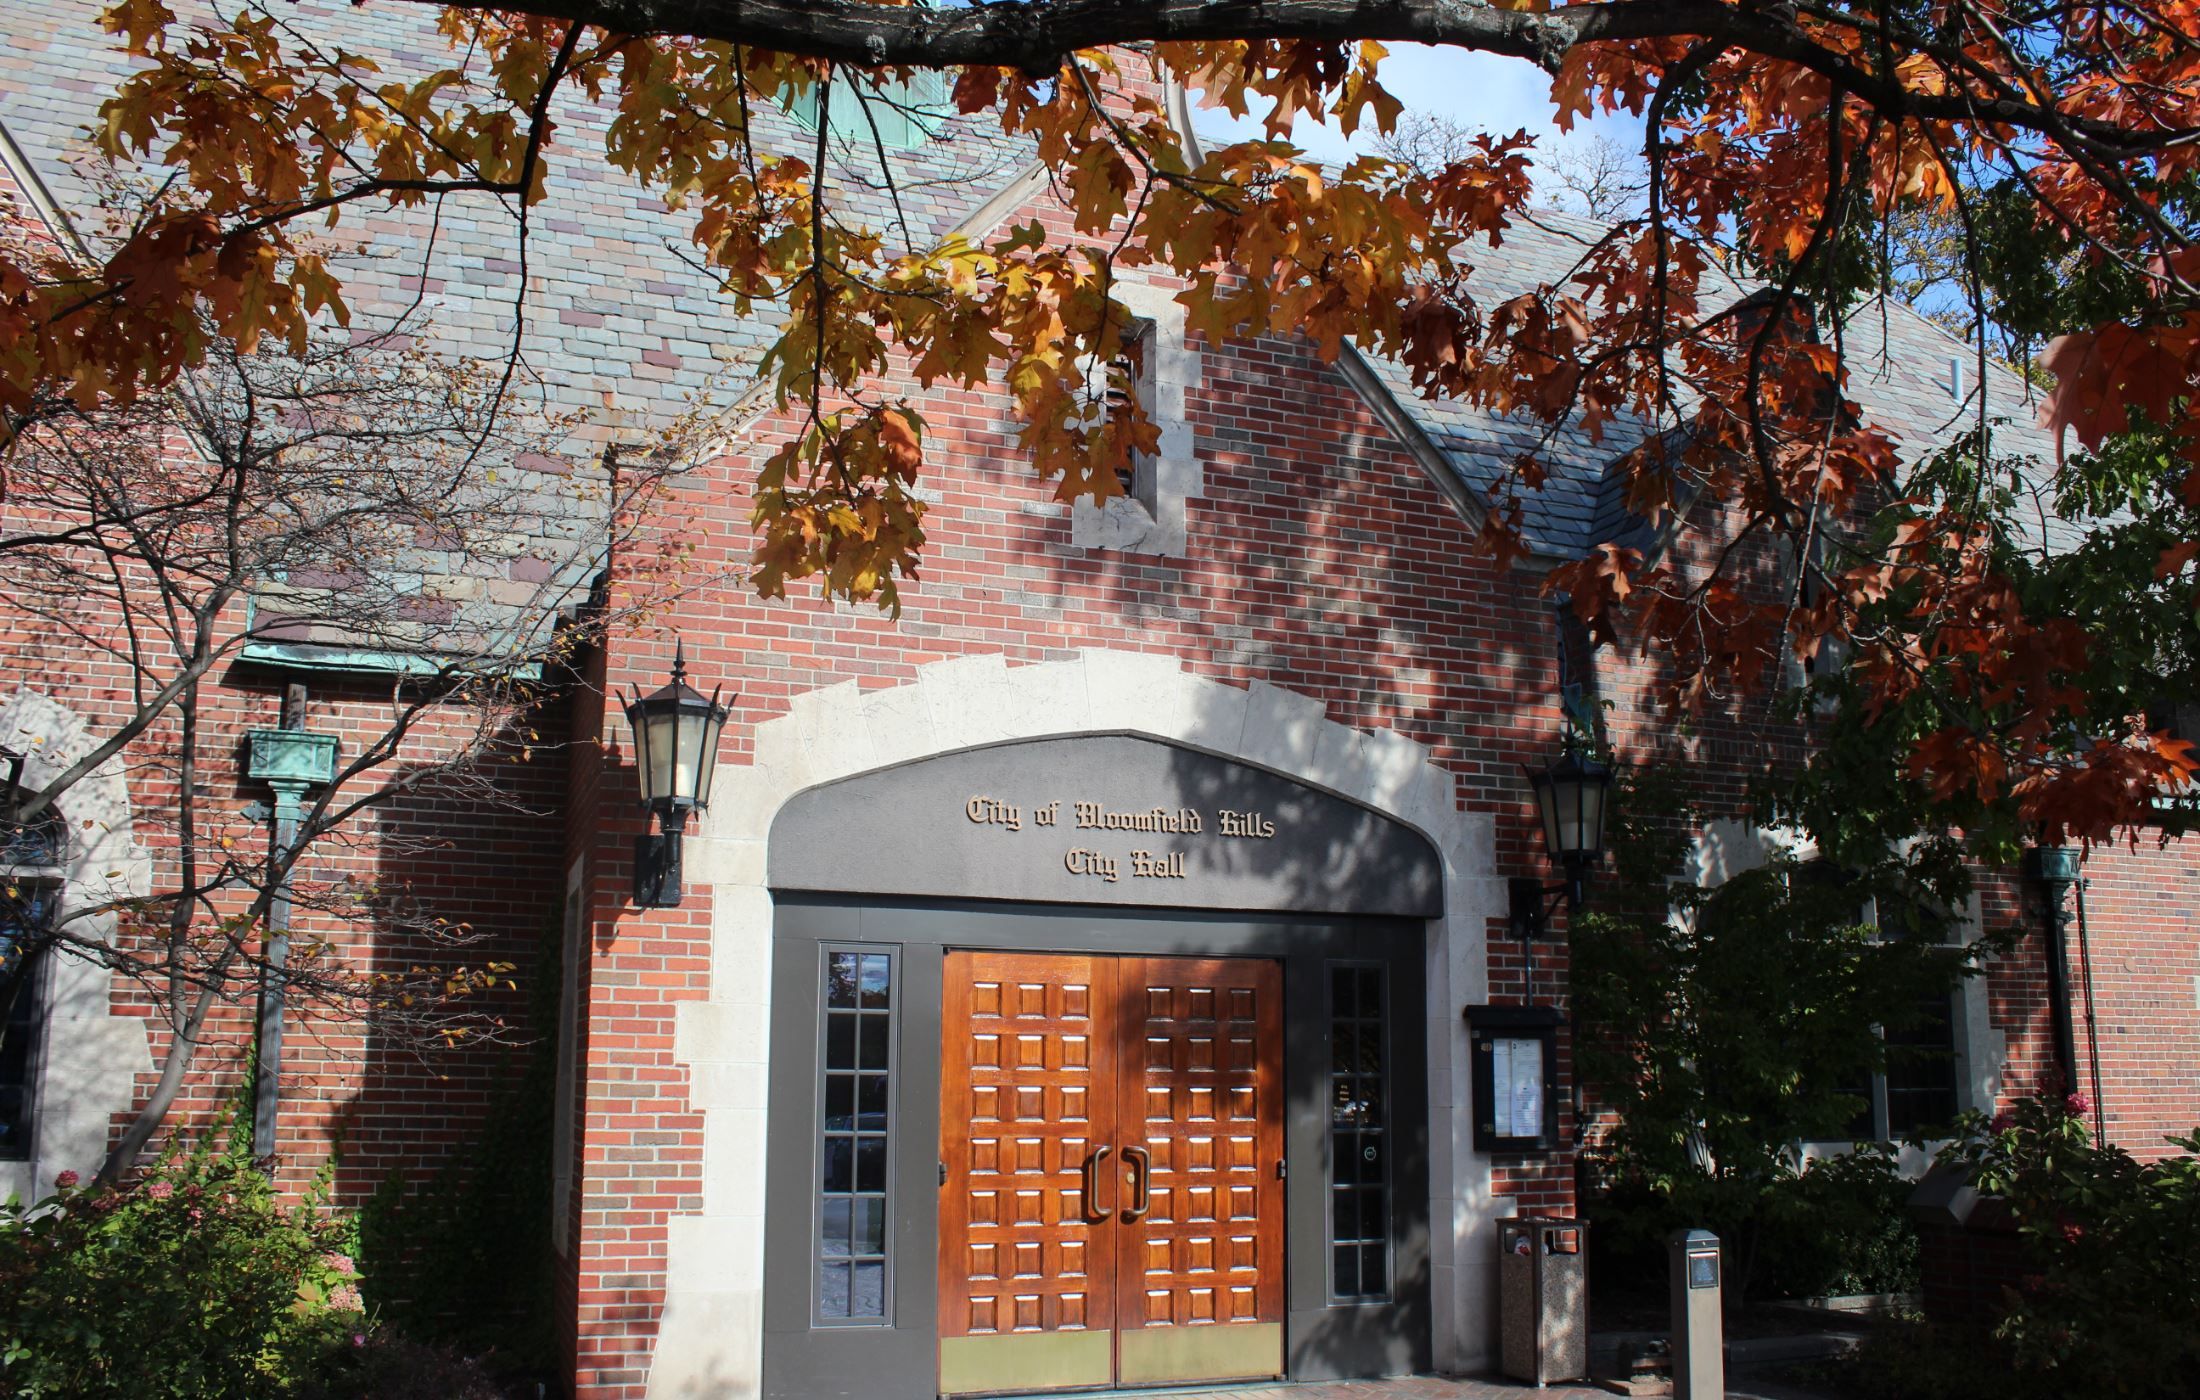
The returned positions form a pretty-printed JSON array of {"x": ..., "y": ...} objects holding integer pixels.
[
  {"x": 1573, "y": 797},
  {"x": 675, "y": 755}
]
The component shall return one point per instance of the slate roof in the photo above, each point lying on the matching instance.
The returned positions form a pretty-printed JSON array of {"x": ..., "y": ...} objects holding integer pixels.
[
  {"x": 1899, "y": 366},
  {"x": 617, "y": 303},
  {"x": 1905, "y": 373},
  {"x": 613, "y": 271},
  {"x": 1568, "y": 514}
]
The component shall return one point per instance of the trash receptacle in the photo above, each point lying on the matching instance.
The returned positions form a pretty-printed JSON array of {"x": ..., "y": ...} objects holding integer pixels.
[{"x": 1543, "y": 1298}]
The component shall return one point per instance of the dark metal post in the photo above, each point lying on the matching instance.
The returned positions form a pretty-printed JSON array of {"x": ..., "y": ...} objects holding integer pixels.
[
  {"x": 267, "y": 1074},
  {"x": 2058, "y": 990},
  {"x": 2092, "y": 1024},
  {"x": 289, "y": 761},
  {"x": 2056, "y": 869}
]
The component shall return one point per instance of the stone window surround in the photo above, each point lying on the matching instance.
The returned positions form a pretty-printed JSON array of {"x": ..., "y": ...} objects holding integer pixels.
[
  {"x": 1727, "y": 848},
  {"x": 1152, "y": 520},
  {"x": 91, "y": 1060},
  {"x": 710, "y": 1334}
]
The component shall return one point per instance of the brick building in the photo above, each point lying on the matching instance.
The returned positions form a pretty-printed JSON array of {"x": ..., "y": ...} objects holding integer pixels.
[{"x": 1126, "y": 792}]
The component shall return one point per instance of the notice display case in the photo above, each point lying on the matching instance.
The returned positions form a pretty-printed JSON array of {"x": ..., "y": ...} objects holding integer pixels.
[{"x": 1514, "y": 1066}]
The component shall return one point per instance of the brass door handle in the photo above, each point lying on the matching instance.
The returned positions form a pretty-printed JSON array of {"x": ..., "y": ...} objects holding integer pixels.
[
  {"x": 1141, "y": 1165},
  {"x": 1092, "y": 1183}
]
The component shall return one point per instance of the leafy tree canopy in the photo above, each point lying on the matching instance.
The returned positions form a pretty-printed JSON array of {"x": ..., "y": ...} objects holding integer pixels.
[{"x": 2060, "y": 139}]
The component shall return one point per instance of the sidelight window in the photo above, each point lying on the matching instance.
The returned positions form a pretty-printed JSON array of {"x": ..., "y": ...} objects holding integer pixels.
[
  {"x": 1359, "y": 1155},
  {"x": 855, "y": 1132}
]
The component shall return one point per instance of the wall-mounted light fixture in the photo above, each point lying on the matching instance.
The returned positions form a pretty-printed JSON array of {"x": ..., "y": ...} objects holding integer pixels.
[
  {"x": 1572, "y": 796},
  {"x": 675, "y": 755}
]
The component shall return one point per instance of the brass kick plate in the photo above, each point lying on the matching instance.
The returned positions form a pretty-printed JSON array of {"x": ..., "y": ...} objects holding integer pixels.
[
  {"x": 1021, "y": 1361},
  {"x": 1221, "y": 1352}
]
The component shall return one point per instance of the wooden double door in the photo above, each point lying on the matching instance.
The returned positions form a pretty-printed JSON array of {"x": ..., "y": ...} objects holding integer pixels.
[{"x": 1111, "y": 1183}]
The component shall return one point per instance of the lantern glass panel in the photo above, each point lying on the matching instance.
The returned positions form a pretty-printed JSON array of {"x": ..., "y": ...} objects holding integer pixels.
[
  {"x": 695, "y": 735},
  {"x": 657, "y": 734},
  {"x": 1546, "y": 801},
  {"x": 707, "y": 767},
  {"x": 644, "y": 770},
  {"x": 1580, "y": 815}
]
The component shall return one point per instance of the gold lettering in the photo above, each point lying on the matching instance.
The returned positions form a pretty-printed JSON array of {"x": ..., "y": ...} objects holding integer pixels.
[
  {"x": 1081, "y": 861},
  {"x": 1146, "y": 865},
  {"x": 1253, "y": 826},
  {"x": 1095, "y": 816},
  {"x": 991, "y": 811}
]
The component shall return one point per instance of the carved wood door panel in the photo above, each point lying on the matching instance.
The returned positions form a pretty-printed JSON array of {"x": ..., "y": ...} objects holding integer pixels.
[
  {"x": 1027, "y": 1087},
  {"x": 1201, "y": 1277},
  {"x": 1111, "y": 1208}
]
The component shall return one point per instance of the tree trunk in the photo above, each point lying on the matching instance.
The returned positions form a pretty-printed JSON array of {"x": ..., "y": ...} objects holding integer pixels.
[{"x": 181, "y": 1052}]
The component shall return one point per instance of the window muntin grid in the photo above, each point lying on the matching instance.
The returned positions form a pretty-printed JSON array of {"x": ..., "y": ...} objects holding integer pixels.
[
  {"x": 855, "y": 1130},
  {"x": 1918, "y": 1093},
  {"x": 1359, "y": 1156}
]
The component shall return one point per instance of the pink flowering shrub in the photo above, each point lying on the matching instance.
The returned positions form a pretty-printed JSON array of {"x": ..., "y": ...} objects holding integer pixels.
[
  {"x": 2117, "y": 1244},
  {"x": 198, "y": 1282}
]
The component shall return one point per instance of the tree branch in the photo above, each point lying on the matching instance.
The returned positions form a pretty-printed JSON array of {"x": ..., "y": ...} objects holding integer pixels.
[{"x": 1035, "y": 36}]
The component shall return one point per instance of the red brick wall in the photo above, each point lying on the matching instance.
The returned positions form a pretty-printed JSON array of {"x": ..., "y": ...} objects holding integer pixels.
[
  {"x": 2141, "y": 940},
  {"x": 480, "y": 850},
  {"x": 1322, "y": 560},
  {"x": 489, "y": 862}
]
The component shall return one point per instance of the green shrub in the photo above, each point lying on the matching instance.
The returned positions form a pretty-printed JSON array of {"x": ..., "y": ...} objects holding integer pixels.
[
  {"x": 1930, "y": 1361},
  {"x": 390, "y": 1367},
  {"x": 1719, "y": 1029},
  {"x": 2117, "y": 1243},
  {"x": 1832, "y": 1225},
  {"x": 1840, "y": 1226},
  {"x": 196, "y": 1282}
]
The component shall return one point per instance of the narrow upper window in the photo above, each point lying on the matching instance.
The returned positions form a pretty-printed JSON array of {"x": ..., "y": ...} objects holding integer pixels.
[
  {"x": 1158, "y": 367},
  {"x": 1359, "y": 1156},
  {"x": 1131, "y": 377},
  {"x": 854, "y": 1201}
]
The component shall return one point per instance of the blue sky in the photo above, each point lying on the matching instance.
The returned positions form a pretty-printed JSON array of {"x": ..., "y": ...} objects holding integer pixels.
[{"x": 1497, "y": 94}]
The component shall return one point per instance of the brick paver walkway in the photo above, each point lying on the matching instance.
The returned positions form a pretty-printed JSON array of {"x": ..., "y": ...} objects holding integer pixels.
[
  {"x": 1410, "y": 1388},
  {"x": 1404, "y": 1388},
  {"x": 1429, "y": 1388}
]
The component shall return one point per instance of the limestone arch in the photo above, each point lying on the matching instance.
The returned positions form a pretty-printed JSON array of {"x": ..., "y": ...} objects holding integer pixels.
[
  {"x": 710, "y": 1332},
  {"x": 90, "y": 1061}
]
